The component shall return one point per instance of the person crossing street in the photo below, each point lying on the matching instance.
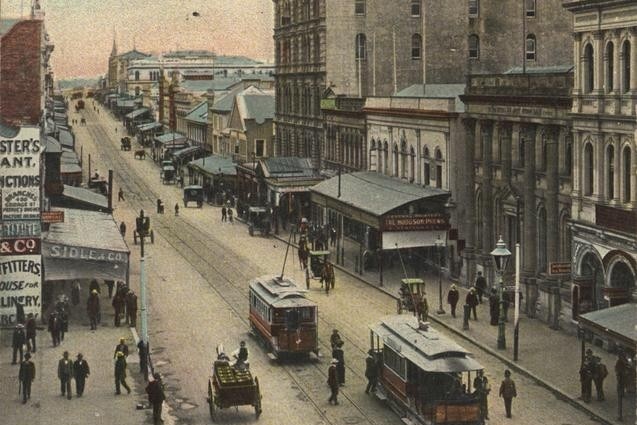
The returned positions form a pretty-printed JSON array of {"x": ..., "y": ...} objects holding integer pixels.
[
  {"x": 26, "y": 377},
  {"x": 120, "y": 373}
]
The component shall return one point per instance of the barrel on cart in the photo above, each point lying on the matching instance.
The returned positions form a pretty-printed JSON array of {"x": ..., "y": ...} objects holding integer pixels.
[{"x": 232, "y": 386}]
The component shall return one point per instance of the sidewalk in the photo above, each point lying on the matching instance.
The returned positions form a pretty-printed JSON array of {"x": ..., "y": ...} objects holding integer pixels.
[{"x": 549, "y": 357}]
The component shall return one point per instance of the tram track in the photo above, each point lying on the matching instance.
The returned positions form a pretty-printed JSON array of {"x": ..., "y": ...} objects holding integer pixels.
[{"x": 224, "y": 273}]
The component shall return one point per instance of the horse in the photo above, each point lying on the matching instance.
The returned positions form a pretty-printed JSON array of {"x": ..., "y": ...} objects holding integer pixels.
[
  {"x": 140, "y": 154},
  {"x": 83, "y": 121}
]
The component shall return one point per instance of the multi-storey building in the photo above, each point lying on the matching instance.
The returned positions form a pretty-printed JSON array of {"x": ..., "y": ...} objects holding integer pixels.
[
  {"x": 118, "y": 68},
  {"x": 604, "y": 192}
]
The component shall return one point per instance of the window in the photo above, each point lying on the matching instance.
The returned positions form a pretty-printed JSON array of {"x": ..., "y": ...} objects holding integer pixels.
[
  {"x": 412, "y": 164},
  {"x": 589, "y": 169},
  {"x": 359, "y": 7},
  {"x": 136, "y": 75},
  {"x": 415, "y": 8},
  {"x": 259, "y": 147},
  {"x": 395, "y": 161},
  {"x": 626, "y": 66},
  {"x": 427, "y": 170},
  {"x": 137, "y": 91},
  {"x": 569, "y": 156},
  {"x": 438, "y": 156},
  {"x": 530, "y": 47},
  {"x": 403, "y": 159},
  {"x": 474, "y": 46},
  {"x": 285, "y": 14},
  {"x": 394, "y": 361},
  {"x": 589, "y": 70},
  {"x": 521, "y": 152},
  {"x": 626, "y": 174},
  {"x": 610, "y": 172},
  {"x": 474, "y": 6},
  {"x": 529, "y": 8},
  {"x": 610, "y": 59},
  {"x": 361, "y": 42},
  {"x": 416, "y": 46}
]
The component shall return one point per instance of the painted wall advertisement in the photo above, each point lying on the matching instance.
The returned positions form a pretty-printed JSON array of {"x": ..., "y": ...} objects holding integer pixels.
[{"x": 20, "y": 259}]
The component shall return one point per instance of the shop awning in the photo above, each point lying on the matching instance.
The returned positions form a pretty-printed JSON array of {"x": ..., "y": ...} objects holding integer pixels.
[
  {"x": 149, "y": 126},
  {"x": 81, "y": 198},
  {"x": 189, "y": 151},
  {"x": 215, "y": 165},
  {"x": 617, "y": 323},
  {"x": 136, "y": 113},
  {"x": 87, "y": 245},
  {"x": 171, "y": 138}
]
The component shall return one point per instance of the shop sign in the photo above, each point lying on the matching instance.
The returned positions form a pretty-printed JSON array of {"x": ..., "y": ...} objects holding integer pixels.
[
  {"x": 409, "y": 222},
  {"x": 52, "y": 216},
  {"x": 82, "y": 253},
  {"x": 19, "y": 246},
  {"x": 20, "y": 283},
  {"x": 559, "y": 268},
  {"x": 21, "y": 229}
]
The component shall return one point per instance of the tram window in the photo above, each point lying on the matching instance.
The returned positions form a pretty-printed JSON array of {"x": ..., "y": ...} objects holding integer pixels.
[
  {"x": 306, "y": 313},
  {"x": 292, "y": 319},
  {"x": 394, "y": 361}
]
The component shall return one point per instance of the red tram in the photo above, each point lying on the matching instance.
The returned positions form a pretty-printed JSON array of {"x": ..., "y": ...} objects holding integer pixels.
[{"x": 282, "y": 316}]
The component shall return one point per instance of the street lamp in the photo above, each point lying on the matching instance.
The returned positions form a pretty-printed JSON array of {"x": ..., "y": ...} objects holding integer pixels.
[
  {"x": 501, "y": 257},
  {"x": 440, "y": 244}
]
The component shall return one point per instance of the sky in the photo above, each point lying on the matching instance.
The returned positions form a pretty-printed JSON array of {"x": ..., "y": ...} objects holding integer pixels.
[{"x": 83, "y": 30}]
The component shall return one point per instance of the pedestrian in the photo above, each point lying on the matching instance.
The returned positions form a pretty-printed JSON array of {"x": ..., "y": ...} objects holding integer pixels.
[
  {"x": 452, "y": 299},
  {"x": 121, "y": 348},
  {"x": 303, "y": 253},
  {"x": 335, "y": 339},
  {"x": 241, "y": 356},
  {"x": 371, "y": 372},
  {"x": 115, "y": 130},
  {"x": 482, "y": 389},
  {"x": 622, "y": 372},
  {"x": 481, "y": 286},
  {"x": 586, "y": 377},
  {"x": 54, "y": 328},
  {"x": 65, "y": 374},
  {"x": 26, "y": 376},
  {"x": 507, "y": 392},
  {"x": 75, "y": 293},
  {"x": 18, "y": 341},
  {"x": 332, "y": 382},
  {"x": 423, "y": 308},
  {"x": 31, "y": 330},
  {"x": 120, "y": 195},
  {"x": 599, "y": 373},
  {"x": 131, "y": 309},
  {"x": 143, "y": 358},
  {"x": 64, "y": 322},
  {"x": 110, "y": 284},
  {"x": 160, "y": 207},
  {"x": 122, "y": 229},
  {"x": 229, "y": 212},
  {"x": 94, "y": 285},
  {"x": 156, "y": 397},
  {"x": 93, "y": 308},
  {"x": 494, "y": 307},
  {"x": 223, "y": 213},
  {"x": 176, "y": 210},
  {"x": 120, "y": 373},
  {"x": 118, "y": 308},
  {"x": 19, "y": 313},
  {"x": 505, "y": 304},
  {"x": 332, "y": 236},
  {"x": 472, "y": 301},
  {"x": 81, "y": 371},
  {"x": 338, "y": 354}
]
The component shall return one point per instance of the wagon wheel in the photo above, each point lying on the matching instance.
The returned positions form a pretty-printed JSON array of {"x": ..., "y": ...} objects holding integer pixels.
[
  {"x": 211, "y": 402},
  {"x": 257, "y": 398},
  {"x": 152, "y": 237},
  {"x": 135, "y": 237}
]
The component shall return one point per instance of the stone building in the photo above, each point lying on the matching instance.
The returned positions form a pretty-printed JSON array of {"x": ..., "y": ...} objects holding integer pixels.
[
  {"x": 519, "y": 146},
  {"x": 118, "y": 68},
  {"x": 604, "y": 193}
]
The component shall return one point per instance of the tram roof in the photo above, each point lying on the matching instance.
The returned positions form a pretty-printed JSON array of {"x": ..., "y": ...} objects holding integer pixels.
[
  {"x": 280, "y": 293},
  {"x": 427, "y": 348}
]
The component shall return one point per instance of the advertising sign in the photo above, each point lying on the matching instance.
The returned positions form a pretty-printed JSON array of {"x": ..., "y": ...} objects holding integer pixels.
[
  {"x": 52, "y": 216},
  {"x": 20, "y": 283},
  {"x": 66, "y": 252},
  {"x": 394, "y": 223},
  {"x": 20, "y": 246},
  {"x": 559, "y": 268},
  {"x": 21, "y": 229}
]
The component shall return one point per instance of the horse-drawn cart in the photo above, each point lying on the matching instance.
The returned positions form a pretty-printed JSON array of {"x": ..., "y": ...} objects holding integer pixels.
[
  {"x": 125, "y": 143},
  {"x": 231, "y": 386}
]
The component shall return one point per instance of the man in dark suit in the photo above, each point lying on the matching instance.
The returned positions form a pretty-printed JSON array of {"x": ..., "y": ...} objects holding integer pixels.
[
  {"x": 26, "y": 377},
  {"x": 65, "y": 374},
  {"x": 81, "y": 371},
  {"x": 19, "y": 339}
]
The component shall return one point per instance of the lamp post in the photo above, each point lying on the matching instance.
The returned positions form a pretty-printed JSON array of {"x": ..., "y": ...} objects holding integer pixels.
[
  {"x": 142, "y": 224},
  {"x": 501, "y": 257},
  {"x": 439, "y": 246}
]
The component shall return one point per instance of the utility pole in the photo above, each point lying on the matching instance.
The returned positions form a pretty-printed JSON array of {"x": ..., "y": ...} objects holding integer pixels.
[
  {"x": 516, "y": 320},
  {"x": 142, "y": 225}
]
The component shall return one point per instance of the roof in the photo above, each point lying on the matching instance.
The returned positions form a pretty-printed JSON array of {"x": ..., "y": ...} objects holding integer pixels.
[
  {"x": 149, "y": 126},
  {"x": 374, "y": 192},
  {"x": 136, "y": 113},
  {"x": 52, "y": 145},
  {"x": 170, "y": 138},
  {"x": 190, "y": 150},
  {"x": 256, "y": 104},
  {"x": 8, "y": 131},
  {"x": 427, "y": 348},
  {"x": 7, "y": 24},
  {"x": 435, "y": 91},
  {"x": 199, "y": 113},
  {"x": 126, "y": 103},
  {"x": 557, "y": 69},
  {"x": 287, "y": 166},
  {"x": 235, "y": 60},
  {"x": 133, "y": 54},
  {"x": 280, "y": 293},
  {"x": 203, "y": 85},
  {"x": 616, "y": 322},
  {"x": 215, "y": 164},
  {"x": 66, "y": 139},
  {"x": 85, "y": 196}
]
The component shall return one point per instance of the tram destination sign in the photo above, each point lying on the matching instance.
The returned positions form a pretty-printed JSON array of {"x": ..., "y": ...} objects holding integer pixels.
[{"x": 408, "y": 222}]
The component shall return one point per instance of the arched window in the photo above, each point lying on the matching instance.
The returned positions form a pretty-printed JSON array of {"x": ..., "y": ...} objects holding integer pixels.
[
  {"x": 626, "y": 174},
  {"x": 541, "y": 240},
  {"x": 426, "y": 167},
  {"x": 136, "y": 75},
  {"x": 565, "y": 237},
  {"x": 589, "y": 169},
  {"x": 385, "y": 158},
  {"x": 285, "y": 14},
  {"x": 403, "y": 159},
  {"x": 474, "y": 46},
  {"x": 416, "y": 46},
  {"x": 415, "y": 8},
  {"x": 438, "y": 155},
  {"x": 589, "y": 69},
  {"x": 530, "y": 47},
  {"x": 412, "y": 164},
  {"x": 478, "y": 214},
  {"x": 372, "y": 156},
  {"x": 610, "y": 60},
  {"x": 361, "y": 42},
  {"x": 395, "y": 160},
  {"x": 626, "y": 66},
  {"x": 529, "y": 8},
  {"x": 610, "y": 172},
  {"x": 569, "y": 156},
  {"x": 317, "y": 48}
]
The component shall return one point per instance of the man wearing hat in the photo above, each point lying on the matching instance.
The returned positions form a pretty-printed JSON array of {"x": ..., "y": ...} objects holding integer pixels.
[
  {"x": 93, "y": 308},
  {"x": 156, "y": 397},
  {"x": 19, "y": 339},
  {"x": 121, "y": 347},
  {"x": 332, "y": 381},
  {"x": 472, "y": 301},
  {"x": 30, "y": 332},
  {"x": 120, "y": 373},
  {"x": 54, "y": 327},
  {"x": 335, "y": 339},
  {"x": 586, "y": 376},
  {"x": 452, "y": 299},
  {"x": 65, "y": 373},
  {"x": 81, "y": 371},
  {"x": 371, "y": 372},
  {"x": 242, "y": 355},
  {"x": 26, "y": 376},
  {"x": 507, "y": 392}
]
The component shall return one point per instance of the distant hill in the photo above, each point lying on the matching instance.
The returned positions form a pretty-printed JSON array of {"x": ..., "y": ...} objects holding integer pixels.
[{"x": 77, "y": 82}]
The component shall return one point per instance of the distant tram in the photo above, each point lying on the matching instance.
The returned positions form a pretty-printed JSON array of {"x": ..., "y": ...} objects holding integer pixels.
[
  {"x": 282, "y": 316},
  {"x": 425, "y": 375}
]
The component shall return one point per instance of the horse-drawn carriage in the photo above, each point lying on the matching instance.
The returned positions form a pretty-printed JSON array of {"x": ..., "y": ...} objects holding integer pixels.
[
  {"x": 411, "y": 297},
  {"x": 125, "y": 144},
  {"x": 258, "y": 219},
  {"x": 98, "y": 183},
  {"x": 232, "y": 386},
  {"x": 167, "y": 174},
  {"x": 319, "y": 268},
  {"x": 143, "y": 230},
  {"x": 193, "y": 193}
]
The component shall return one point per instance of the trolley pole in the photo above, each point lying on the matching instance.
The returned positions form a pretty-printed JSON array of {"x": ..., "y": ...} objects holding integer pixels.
[{"x": 143, "y": 295}]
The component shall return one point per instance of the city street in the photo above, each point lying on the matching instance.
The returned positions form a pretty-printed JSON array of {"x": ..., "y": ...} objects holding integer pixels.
[{"x": 198, "y": 271}]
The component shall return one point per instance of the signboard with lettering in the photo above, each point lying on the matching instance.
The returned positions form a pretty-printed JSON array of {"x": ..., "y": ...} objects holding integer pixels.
[
  {"x": 52, "y": 216},
  {"x": 66, "y": 252},
  {"x": 409, "y": 222},
  {"x": 20, "y": 283},
  {"x": 21, "y": 229},
  {"x": 20, "y": 246},
  {"x": 559, "y": 268}
]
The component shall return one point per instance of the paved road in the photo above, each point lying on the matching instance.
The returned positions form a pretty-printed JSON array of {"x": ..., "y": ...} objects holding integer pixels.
[{"x": 198, "y": 274}]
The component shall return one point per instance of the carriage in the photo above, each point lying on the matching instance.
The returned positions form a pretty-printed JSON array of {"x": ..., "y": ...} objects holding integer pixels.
[
  {"x": 125, "y": 143},
  {"x": 259, "y": 219},
  {"x": 193, "y": 193},
  {"x": 231, "y": 386},
  {"x": 425, "y": 376},
  {"x": 410, "y": 295},
  {"x": 317, "y": 262},
  {"x": 143, "y": 230},
  {"x": 167, "y": 174},
  {"x": 98, "y": 183},
  {"x": 282, "y": 317}
]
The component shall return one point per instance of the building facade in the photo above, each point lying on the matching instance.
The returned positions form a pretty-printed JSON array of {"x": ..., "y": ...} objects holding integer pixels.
[{"x": 604, "y": 193}]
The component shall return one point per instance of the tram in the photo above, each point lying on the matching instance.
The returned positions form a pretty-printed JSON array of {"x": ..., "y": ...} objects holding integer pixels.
[
  {"x": 424, "y": 375},
  {"x": 285, "y": 320}
]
